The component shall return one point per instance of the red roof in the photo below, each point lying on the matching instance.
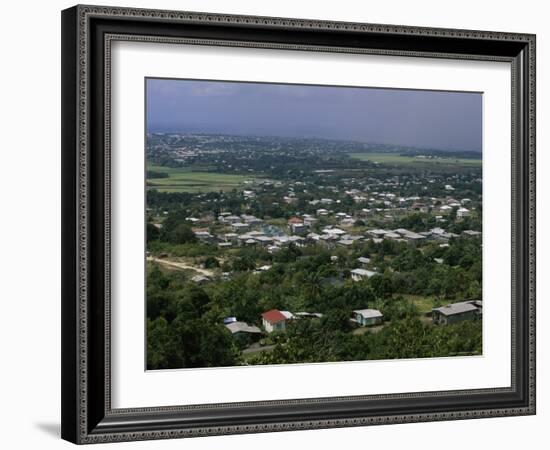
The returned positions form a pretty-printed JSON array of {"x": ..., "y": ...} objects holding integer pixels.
[{"x": 273, "y": 316}]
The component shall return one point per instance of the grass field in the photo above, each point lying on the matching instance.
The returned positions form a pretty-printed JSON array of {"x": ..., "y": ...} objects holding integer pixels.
[
  {"x": 396, "y": 159},
  {"x": 424, "y": 304},
  {"x": 185, "y": 180}
]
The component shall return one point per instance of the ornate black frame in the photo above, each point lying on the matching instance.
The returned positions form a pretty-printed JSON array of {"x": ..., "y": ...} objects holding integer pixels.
[{"x": 87, "y": 31}]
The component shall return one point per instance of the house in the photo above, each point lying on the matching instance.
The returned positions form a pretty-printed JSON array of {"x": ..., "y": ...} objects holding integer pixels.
[
  {"x": 251, "y": 220},
  {"x": 297, "y": 226},
  {"x": 363, "y": 260},
  {"x": 456, "y": 312},
  {"x": 347, "y": 222},
  {"x": 242, "y": 329},
  {"x": 462, "y": 212},
  {"x": 200, "y": 279},
  {"x": 240, "y": 227},
  {"x": 361, "y": 274},
  {"x": 377, "y": 233},
  {"x": 310, "y": 221},
  {"x": 322, "y": 212},
  {"x": 334, "y": 231},
  {"x": 296, "y": 240},
  {"x": 231, "y": 237},
  {"x": 231, "y": 219},
  {"x": 274, "y": 320},
  {"x": 471, "y": 233},
  {"x": 410, "y": 236},
  {"x": 367, "y": 317},
  {"x": 264, "y": 240},
  {"x": 202, "y": 235}
]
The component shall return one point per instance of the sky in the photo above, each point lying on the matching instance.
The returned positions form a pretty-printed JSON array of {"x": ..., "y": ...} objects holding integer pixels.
[{"x": 426, "y": 119}]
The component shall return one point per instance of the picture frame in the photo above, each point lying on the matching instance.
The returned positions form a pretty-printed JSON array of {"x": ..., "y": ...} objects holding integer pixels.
[{"x": 87, "y": 412}]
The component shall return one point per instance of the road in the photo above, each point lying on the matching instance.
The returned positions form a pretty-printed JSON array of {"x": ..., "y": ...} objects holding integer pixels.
[{"x": 181, "y": 266}]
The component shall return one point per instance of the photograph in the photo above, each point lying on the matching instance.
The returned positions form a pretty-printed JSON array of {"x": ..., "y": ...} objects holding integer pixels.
[
  {"x": 273, "y": 222},
  {"x": 303, "y": 223}
]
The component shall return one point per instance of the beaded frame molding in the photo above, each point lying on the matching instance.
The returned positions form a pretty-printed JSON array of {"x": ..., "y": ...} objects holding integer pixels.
[{"x": 87, "y": 35}]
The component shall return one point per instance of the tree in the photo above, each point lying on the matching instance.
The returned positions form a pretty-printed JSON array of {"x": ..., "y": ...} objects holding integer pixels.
[{"x": 181, "y": 234}]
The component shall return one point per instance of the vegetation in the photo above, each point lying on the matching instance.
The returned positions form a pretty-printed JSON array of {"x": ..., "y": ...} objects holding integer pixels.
[
  {"x": 175, "y": 179},
  {"x": 202, "y": 270}
]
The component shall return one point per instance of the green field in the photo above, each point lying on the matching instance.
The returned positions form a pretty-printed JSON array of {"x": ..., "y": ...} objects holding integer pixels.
[
  {"x": 397, "y": 159},
  {"x": 186, "y": 180}
]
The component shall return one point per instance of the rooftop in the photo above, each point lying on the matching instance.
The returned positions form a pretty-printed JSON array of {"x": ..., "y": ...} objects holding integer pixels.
[
  {"x": 456, "y": 308},
  {"x": 368, "y": 313},
  {"x": 363, "y": 272},
  {"x": 236, "y": 327},
  {"x": 273, "y": 316}
]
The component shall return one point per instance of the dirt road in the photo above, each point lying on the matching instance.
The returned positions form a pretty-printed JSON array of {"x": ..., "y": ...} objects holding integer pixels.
[{"x": 180, "y": 265}]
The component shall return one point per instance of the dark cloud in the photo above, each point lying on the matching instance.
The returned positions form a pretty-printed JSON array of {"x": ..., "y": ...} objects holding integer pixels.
[{"x": 436, "y": 119}]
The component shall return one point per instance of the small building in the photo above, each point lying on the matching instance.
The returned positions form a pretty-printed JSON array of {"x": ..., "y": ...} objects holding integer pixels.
[
  {"x": 368, "y": 317},
  {"x": 204, "y": 236},
  {"x": 361, "y": 274},
  {"x": 242, "y": 328},
  {"x": 462, "y": 212},
  {"x": 200, "y": 279},
  {"x": 297, "y": 226},
  {"x": 363, "y": 260},
  {"x": 310, "y": 221},
  {"x": 274, "y": 320},
  {"x": 378, "y": 233},
  {"x": 264, "y": 240},
  {"x": 251, "y": 220},
  {"x": 230, "y": 219},
  {"x": 322, "y": 212},
  {"x": 456, "y": 312},
  {"x": 240, "y": 227}
]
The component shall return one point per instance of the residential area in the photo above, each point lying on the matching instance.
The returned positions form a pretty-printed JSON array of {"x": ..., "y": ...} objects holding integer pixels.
[{"x": 318, "y": 251}]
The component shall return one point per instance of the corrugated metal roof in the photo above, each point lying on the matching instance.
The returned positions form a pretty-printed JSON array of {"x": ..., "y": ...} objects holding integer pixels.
[
  {"x": 273, "y": 316},
  {"x": 456, "y": 308}
]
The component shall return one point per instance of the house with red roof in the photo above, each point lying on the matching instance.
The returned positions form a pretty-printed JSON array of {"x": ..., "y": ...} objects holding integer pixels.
[{"x": 275, "y": 320}]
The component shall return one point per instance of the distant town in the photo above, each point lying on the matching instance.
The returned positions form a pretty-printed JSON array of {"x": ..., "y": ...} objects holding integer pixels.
[{"x": 272, "y": 250}]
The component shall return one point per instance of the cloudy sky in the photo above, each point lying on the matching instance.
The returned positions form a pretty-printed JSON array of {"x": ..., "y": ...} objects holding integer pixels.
[{"x": 434, "y": 119}]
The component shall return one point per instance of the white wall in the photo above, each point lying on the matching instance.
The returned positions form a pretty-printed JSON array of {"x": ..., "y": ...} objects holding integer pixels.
[{"x": 30, "y": 221}]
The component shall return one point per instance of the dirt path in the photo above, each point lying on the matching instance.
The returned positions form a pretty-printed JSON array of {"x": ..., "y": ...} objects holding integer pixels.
[{"x": 181, "y": 265}]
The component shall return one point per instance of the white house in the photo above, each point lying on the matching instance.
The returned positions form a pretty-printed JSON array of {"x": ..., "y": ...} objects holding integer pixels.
[
  {"x": 363, "y": 260},
  {"x": 274, "y": 320},
  {"x": 462, "y": 212},
  {"x": 361, "y": 274},
  {"x": 365, "y": 317}
]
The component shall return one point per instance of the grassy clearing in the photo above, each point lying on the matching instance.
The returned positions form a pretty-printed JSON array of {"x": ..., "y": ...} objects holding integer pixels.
[
  {"x": 424, "y": 304},
  {"x": 396, "y": 159},
  {"x": 185, "y": 180}
]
